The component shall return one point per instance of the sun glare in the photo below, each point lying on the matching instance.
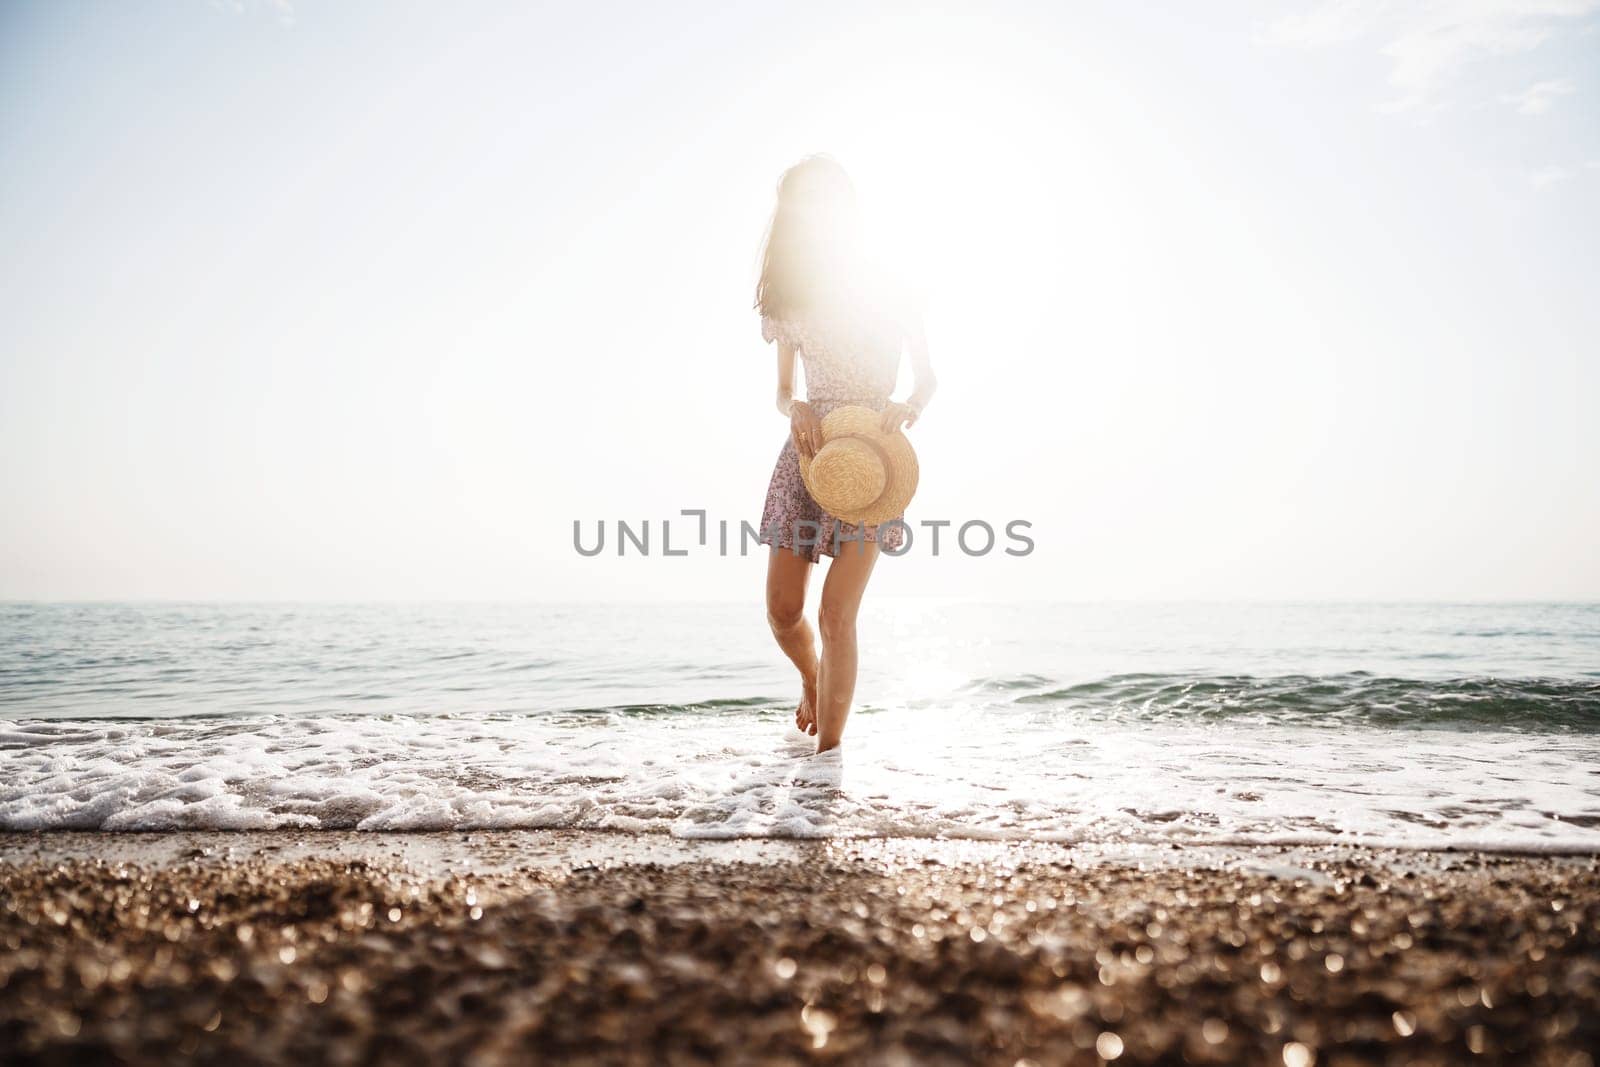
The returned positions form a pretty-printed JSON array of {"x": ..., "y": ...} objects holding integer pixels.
[{"x": 966, "y": 183}]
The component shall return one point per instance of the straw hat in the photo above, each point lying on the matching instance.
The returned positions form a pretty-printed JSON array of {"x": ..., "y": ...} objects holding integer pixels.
[{"x": 860, "y": 474}]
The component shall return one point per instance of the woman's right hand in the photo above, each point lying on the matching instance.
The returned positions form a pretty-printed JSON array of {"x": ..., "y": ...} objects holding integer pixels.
[{"x": 805, "y": 428}]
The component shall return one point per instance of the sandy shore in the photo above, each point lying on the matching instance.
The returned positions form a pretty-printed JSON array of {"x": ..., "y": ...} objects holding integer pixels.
[{"x": 566, "y": 947}]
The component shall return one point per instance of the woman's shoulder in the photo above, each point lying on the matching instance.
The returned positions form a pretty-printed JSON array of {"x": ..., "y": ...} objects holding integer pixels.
[
  {"x": 896, "y": 293},
  {"x": 878, "y": 296},
  {"x": 773, "y": 326},
  {"x": 910, "y": 297}
]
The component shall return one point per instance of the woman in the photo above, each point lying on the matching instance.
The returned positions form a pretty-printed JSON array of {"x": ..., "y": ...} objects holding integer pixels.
[{"x": 820, "y": 297}]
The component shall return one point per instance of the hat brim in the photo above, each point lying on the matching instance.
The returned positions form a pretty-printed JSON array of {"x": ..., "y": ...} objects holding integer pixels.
[{"x": 901, "y": 470}]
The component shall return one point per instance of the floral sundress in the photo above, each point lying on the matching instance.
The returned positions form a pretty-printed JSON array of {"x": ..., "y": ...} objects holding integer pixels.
[{"x": 847, "y": 360}]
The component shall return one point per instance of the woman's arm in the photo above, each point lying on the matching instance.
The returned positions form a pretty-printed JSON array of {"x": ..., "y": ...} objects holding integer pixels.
[
  {"x": 804, "y": 426},
  {"x": 921, "y": 368},
  {"x": 924, "y": 383},
  {"x": 785, "y": 376}
]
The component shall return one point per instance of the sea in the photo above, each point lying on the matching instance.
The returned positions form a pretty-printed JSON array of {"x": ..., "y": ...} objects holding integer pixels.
[{"x": 1415, "y": 726}]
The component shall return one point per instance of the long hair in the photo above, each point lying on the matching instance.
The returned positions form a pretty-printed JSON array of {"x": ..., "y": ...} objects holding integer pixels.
[{"x": 811, "y": 256}]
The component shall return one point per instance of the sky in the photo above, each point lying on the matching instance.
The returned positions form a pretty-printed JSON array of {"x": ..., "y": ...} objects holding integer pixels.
[{"x": 374, "y": 300}]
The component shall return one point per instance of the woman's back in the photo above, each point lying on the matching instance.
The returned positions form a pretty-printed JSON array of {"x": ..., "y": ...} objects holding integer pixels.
[{"x": 851, "y": 354}]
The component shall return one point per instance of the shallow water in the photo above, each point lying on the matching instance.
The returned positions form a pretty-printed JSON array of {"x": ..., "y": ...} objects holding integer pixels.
[{"x": 1406, "y": 725}]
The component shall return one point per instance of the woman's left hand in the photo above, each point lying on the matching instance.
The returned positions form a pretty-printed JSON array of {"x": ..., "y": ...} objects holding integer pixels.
[{"x": 896, "y": 416}]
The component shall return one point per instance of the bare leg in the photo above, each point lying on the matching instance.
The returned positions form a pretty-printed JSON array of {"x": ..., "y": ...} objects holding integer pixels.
[
  {"x": 841, "y": 599},
  {"x": 787, "y": 574}
]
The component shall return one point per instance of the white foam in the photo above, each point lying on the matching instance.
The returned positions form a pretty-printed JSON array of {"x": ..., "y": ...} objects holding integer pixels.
[{"x": 907, "y": 772}]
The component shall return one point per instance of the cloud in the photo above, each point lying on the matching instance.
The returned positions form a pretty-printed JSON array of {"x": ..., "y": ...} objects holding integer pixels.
[
  {"x": 1555, "y": 173},
  {"x": 1545, "y": 177},
  {"x": 283, "y": 9},
  {"x": 1537, "y": 98},
  {"x": 1428, "y": 41},
  {"x": 1331, "y": 22}
]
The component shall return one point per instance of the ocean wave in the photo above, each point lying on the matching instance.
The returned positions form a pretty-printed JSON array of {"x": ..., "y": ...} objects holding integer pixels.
[
  {"x": 1350, "y": 699},
  {"x": 961, "y": 772}
]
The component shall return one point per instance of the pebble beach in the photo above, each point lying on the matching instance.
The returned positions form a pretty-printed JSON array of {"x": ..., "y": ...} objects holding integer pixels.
[{"x": 599, "y": 948}]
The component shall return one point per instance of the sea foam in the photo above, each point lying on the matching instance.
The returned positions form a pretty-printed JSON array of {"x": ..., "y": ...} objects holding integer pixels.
[
  {"x": 1466, "y": 726},
  {"x": 1029, "y": 775}
]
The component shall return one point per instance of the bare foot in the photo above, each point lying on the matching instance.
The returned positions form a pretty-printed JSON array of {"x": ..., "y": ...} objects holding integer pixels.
[{"x": 805, "y": 716}]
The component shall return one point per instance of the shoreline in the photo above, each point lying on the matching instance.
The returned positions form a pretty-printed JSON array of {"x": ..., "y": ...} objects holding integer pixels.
[
  {"x": 591, "y": 946},
  {"x": 435, "y": 851}
]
